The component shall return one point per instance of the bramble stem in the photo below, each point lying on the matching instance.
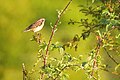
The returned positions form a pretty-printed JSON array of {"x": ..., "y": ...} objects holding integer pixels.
[
  {"x": 53, "y": 31},
  {"x": 95, "y": 64},
  {"x": 52, "y": 34}
]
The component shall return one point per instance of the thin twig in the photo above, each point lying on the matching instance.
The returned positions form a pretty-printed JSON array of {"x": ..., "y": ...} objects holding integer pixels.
[
  {"x": 53, "y": 31},
  {"x": 67, "y": 66},
  {"x": 110, "y": 56},
  {"x": 24, "y": 72},
  {"x": 115, "y": 73}
]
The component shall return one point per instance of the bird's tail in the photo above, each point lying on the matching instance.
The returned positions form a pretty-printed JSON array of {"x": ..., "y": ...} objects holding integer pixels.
[{"x": 26, "y": 30}]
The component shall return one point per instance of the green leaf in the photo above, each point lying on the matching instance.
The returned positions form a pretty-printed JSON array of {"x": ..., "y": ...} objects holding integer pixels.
[
  {"x": 107, "y": 26},
  {"x": 43, "y": 46},
  {"x": 80, "y": 57},
  {"x": 118, "y": 66},
  {"x": 61, "y": 50},
  {"x": 93, "y": 1},
  {"x": 117, "y": 36},
  {"x": 64, "y": 76},
  {"x": 98, "y": 31}
]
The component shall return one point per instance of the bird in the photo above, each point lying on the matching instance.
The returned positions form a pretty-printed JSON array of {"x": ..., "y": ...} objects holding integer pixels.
[{"x": 36, "y": 26}]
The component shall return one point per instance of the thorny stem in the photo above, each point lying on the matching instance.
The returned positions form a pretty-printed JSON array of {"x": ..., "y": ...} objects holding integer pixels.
[
  {"x": 52, "y": 33},
  {"x": 96, "y": 55}
]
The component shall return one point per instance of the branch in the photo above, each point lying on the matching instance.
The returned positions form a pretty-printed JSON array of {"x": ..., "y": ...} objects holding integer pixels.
[
  {"x": 53, "y": 31},
  {"x": 24, "y": 72},
  {"x": 115, "y": 73},
  {"x": 110, "y": 56},
  {"x": 52, "y": 34},
  {"x": 97, "y": 49}
]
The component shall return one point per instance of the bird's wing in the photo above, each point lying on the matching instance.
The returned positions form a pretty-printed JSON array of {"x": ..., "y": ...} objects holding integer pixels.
[
  {"x": 36, "y": 24},
  {"x": 29, "y": 27}
]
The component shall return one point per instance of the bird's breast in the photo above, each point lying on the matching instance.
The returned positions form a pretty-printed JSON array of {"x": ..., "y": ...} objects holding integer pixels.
[{"x": 38, "y": 28}]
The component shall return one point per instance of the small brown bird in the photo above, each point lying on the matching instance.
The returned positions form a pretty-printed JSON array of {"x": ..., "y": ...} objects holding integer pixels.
[{"x": 37, "y": 26}]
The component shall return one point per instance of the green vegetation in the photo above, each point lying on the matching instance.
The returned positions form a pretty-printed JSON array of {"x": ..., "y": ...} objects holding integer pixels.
[{"x": 85, "y": 43}]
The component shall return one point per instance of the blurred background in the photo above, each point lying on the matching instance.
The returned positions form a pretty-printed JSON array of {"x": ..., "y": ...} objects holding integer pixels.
[{"x": 15, "y": 45}]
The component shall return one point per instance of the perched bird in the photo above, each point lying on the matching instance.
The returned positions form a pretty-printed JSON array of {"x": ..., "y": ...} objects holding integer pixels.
[{"x": 37, "y": 26}]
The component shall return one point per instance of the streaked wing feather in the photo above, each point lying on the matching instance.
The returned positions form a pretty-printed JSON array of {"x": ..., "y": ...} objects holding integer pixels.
[
  {"x": 34, "y": 25},
  {"x": 29, "y": 27}
]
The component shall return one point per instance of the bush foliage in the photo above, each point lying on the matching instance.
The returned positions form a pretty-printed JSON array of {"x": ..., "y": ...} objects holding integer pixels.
[{"x": 103, "y": 22}]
